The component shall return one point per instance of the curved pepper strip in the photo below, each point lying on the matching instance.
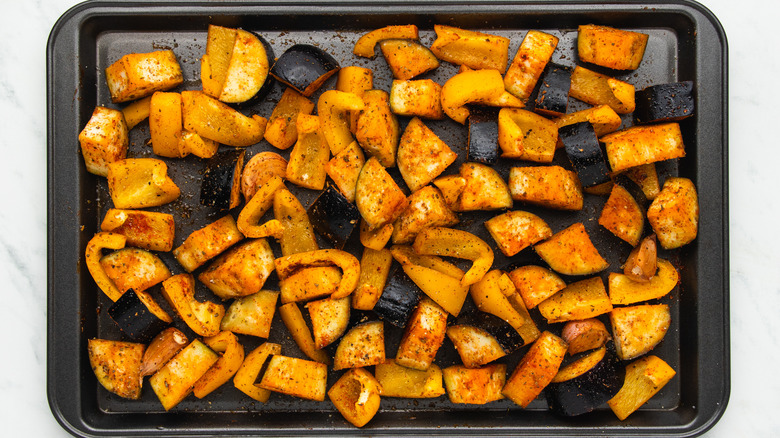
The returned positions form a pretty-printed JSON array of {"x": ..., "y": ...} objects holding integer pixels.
[
  {"x": 469, "y": 87},
  {"x": 296, "y": 325},
  {"x": 203, "y": 318},
  {"x": 227, "y": 365},
  {"x": 260, "y": 203},
  {"x": 366, "y": 44},
  {"x": 348, "y": 263},
  {"x": 332, "y": 108},
  {"x": 104, "y": 240},
  {"x": 456, "y": 243},
  {"x": 246, "y": 376}
]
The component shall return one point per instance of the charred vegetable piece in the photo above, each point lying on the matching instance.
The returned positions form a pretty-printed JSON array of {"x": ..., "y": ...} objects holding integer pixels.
[
  {"x": 664, "y": 103},
  {"x": 598, "y": 89},
  {"x": 250, "y": 369},
  {"x": 638, "y": 329},
  {"x": 398, "y": 381},
  {"x": 475, "y": 385},
  {"x": 622, "y": 216},
  {"x": 475, "y": 346},
  {"x": 350, "y": 267},
  {"x": 333, "y": 216},
  {"x": 529, "y": 62},
  {"x": 571, "y": 252},
  {"x": 644, "y": 378},
  {"x": 506, "y": 335},
  {"x": 362, "y": 346},
  {"x": 140, "y": 183},
  {"x": 104, "y": 140},
  {"x": 366, "y": 44},
  {"x": 221, "y": 187},
  {"x": 136, "y": 319},
  {"x": 422, "y": 155},
  {"x": 399, "y": 299},
  {"x": 420, "y": 98},
  {"x": 251, "y": 315},
  {"x": 624, "y": 290},
  {"x": 483, "y": 135},
  {"x": 305, "y": 68},
  {"x": 297, "y": 377},
  {"x": 585, "y": 335},
  {"x": 476, "y": 50},
  {"x": 173, "y": 382},
  {"x": 640, "y": 145},
  {"x": 536, "y": 369},
  {"x": 610, "y": 47},
  {"x": 423, "y": 336},
  {"x": 356, "y": 396},
  {"x": 585, "y": 384},
  {"x": 674, "y": 214},
  {"x": 117, "y": 366},
  {"x": 407, "y": 58},
  {"x": 138, "y": 75},
  {"x": 584, "y": 151},
  {"x": 553, "y": 97}
]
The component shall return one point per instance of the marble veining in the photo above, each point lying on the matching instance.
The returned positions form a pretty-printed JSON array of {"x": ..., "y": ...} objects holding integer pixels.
[{"x": 751, "y": 27}]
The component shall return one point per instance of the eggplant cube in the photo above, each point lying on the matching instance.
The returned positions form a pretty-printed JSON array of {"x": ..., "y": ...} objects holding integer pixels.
[
  {"x": 664, "y": 103},
  {"x": 134, "y": 317},
  {"x": 305, "y": 68},
  {"x": 221, "y": 187},
  {"x": 483, "y": 135},
  {"x": 399, "y": 299},
  {"x": 553, "y": 97},
  {"x": 334, "y": 217},
  {"x": 582, "y": 147}
]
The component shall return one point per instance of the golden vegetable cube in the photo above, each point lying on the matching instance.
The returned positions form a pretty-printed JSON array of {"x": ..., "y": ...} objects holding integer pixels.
[
  {"x": 138, "y": 75},
  {"x": 104, "y": 140},
  {"x": 421, "y": 98},
  {"x": 609, "y": 47},
  {"x": 140, "y": 183}
]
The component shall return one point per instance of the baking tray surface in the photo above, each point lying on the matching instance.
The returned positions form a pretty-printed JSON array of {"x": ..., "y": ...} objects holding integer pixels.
[{"x": 686, "y": 43}]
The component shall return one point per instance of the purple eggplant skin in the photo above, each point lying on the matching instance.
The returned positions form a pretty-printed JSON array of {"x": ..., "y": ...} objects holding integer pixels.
[
  {"x": 664, "y": 103},
  {"x": 399, "y": 298},
  {"x": 584, "y": 151},
  {"x": 589, "y": 390},
  {"x": 269, "y": 80},
  {"x": 483, "y": 135},
  {"x": 553, "y": 97},
  {"x": 333, "y": 217},
  {"x": 134, "y": 318},
  {"x": 506, "y": 336},
  {"x": 223, "y": 171},
  {"x": 304, "y": 67}
]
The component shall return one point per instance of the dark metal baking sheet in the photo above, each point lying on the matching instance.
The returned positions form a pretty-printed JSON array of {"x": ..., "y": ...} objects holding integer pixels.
[{"x": 686, "y": 43}]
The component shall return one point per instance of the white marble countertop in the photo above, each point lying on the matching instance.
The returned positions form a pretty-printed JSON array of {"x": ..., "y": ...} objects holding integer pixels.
[{"x": 751, "y": 27}]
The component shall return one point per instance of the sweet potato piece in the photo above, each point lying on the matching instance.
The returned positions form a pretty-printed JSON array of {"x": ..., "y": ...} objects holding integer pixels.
[
  {"x": 374, "y": 269},
  {"x": 525, "y": 135},
  {"x": 134, "y": 268},
  {"x": 296, "y": 325},
  {"x": 475, "y": 385},
  {"x": 251, "y": 315},
  {"x": 332, "y": 107},
  {"x": 376, "y": 127},
  {"x": 674, "y": 214},
  {"x": 350, "y": 267},
  {"x": 310, "y": 283},
  {"x": 247, "y": 374},
  {"x": 513, "y": 231},
  {"x": 297, "y": 377},
  {"x": 484, "y": 189},
  {"x": 398, "y": 381},
  {"x": 138, "y": 75},
  {"x": 281, "y": 131},
  {"x": 378, "y": 198},
  {"x": 585, "y": 335},
  {"x": 173, "y": 382},
  {"x": 143, "y": 229},
  {"x": 423, "y": 336},
  {"x": 226, "y": 366},
  {"x": 362, "y": 346},
  {"x": 638, "y": 329},
  {"x": 104, "y": 140},
  {"x": 206, "y": 243},
  {"x": 407, "y": 58},
  {"x": 622, "y": 216},
  {"x": 644, "y": 378},
  {"x": 418, "y": 98},
  {"x": 344, "y": 169},
  {"x": 306, "y": 166},
  {"x": 456, "y": 243},
  {"x": 529, "y": 62},
  {"x": 469, "y": 87},
  {"x": 581, "y": 300},
  {"x": 426, "y": 209},
  {"x": 570, "y": 252},
  {"x": 117, "y": 366},
  {"x": 329, "y": 319},
  {"x": 640, "y": 145},
  {"x": 535, "y": 284},
  {"x": 476, "y": 50},
  {"x": 610, "y": 47},
  {"x": 217, "y": 121},
  {"x": 365, "y": 44},
  {"x": 356, "y": 396},
  {"x": 204, "y": 317},
  {"x": 624, "y": 290},
  {"x": 140, "y": 183},
  {"x": 422, "y": 155},
  {"x": 548, "y": 186},
  {"x": 598, "y": 89},
  {"x": 536, "y": 369}
]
